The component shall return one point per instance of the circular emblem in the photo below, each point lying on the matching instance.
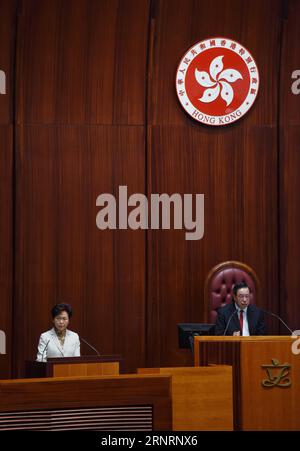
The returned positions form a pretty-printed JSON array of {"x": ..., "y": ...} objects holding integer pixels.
[{"x": 217, "y": 81}]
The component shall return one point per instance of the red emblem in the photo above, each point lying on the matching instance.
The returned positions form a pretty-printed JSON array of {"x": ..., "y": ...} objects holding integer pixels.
[{"x": 217, "y": 81}]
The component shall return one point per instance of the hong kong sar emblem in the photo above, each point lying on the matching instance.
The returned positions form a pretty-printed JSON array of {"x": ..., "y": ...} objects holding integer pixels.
[{"x": 217, "y": 81}]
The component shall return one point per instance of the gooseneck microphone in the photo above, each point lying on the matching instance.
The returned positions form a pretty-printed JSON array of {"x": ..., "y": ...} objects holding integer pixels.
[
  {"x": 278, "y": 317},
  {"x": 228, "y": 322},
  {"x": 44, "y": 350},
  {"x": 92, "y": 347}
]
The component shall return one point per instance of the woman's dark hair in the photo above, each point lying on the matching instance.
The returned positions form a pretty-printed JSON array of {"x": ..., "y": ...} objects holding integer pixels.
[
  {"x": 238, "y": 286},
  {"x": 58, "y": 308}
]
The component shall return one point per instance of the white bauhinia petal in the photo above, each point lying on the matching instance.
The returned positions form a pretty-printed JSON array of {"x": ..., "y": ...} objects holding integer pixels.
[
  {"x": 203, "y": 79},
  {"x": 226, "y": 92},
  {"x": 209, "y": 95},
  {"x": 215, "y": 67},
  {"x": 230, "y": 75}
]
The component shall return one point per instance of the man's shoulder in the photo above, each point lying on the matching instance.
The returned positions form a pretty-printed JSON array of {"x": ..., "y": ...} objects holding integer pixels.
[
  {"x": 228, "y": 308},
  {"x": 253, "y": 308}
]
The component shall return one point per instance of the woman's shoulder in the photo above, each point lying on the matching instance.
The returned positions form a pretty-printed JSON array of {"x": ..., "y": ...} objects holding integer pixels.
[
  {"x": 72, "y": 334},
  {"x": 47, "y": 333}
]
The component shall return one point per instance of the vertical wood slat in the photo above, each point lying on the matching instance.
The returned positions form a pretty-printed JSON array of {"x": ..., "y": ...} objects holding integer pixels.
[
  {"x": 7, "y": 40},
  {"x": 289, "y": 182},
  {"x": 6, "y": 254}
]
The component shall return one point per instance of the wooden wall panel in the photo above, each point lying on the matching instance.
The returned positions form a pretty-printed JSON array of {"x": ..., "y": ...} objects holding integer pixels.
[
  {"x": 235, "y": 167},
  {"x": 7, "y": 39},
  {"x": 6, "y": 257},
  {"x": 289, "y": 169},
  {"x": 86, "y": 88},
  {"x": 88, "y": 63},
  {"x": 80, "y": 111},
  {"x": 61, "y": 171}
]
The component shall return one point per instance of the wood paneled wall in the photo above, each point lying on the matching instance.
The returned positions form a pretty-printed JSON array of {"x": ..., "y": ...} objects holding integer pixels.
[
  {"x": 235, "y": 167},
  {"x": 94, "y": 107},
  {"x": 289, "y": 166},
  {"x": 7, "y": 41},
  {"x": 81, "y": 132}
]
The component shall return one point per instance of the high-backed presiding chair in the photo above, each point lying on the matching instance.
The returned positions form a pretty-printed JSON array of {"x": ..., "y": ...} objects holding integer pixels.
[{"x": 219, "y": 285}]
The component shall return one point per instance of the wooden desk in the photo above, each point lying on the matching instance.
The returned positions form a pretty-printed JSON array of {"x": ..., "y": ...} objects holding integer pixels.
[{"x": 201, "y": 397}]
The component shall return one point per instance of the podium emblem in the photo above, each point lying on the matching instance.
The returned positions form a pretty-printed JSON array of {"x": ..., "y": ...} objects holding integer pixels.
[{"x": 277, "y": 375}]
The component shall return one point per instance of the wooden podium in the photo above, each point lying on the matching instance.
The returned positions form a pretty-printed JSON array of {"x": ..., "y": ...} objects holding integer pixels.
[
  {"x": 266, "y": 378},
  {"x": 75, "y": 366}
]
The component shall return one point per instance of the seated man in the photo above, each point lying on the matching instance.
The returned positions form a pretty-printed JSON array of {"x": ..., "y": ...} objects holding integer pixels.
[{"x": 240, "y": 317}]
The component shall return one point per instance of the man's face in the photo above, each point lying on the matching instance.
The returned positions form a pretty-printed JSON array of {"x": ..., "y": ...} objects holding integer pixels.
[{"x": 242, "y": 298}]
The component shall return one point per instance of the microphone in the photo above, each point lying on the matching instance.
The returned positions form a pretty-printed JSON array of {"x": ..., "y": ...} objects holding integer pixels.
[
  {"x": 45, "y": 348},
  {"x": 228, "y": 322},
  {"x": 278, "y": 317},
  {"x": 92, "y": 347}
]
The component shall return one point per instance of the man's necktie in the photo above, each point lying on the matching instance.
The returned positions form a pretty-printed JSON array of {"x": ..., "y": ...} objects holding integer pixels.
[{"x": 241, "y": 320}]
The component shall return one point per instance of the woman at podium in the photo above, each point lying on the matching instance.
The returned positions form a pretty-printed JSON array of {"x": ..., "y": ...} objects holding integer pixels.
[{"x": 59, "y": 341}]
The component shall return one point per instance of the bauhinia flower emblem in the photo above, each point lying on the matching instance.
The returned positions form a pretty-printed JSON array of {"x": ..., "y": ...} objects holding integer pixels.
[{"x": 217, "y": 80}]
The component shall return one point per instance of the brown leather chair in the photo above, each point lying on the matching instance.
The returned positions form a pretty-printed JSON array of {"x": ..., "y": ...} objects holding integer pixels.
[{"x": 219, "y": 285}]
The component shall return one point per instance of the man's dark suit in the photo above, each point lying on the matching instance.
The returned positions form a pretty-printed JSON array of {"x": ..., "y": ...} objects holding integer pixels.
[{"x": 255, "y": 319}]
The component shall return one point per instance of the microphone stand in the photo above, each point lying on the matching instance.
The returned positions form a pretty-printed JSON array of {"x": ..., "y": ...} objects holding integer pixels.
[
  {"x": 92, "y": 347},
  {"x": 45, "y": 350},
  {"x": 231, "y": 316},
  {"x": 281, "y": 320}
]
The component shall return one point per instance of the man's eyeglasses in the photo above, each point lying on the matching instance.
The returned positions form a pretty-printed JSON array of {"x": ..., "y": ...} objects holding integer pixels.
[{"x": 243, "y": 296}]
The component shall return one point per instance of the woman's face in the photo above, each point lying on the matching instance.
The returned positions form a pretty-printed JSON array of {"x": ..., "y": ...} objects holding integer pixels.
[{"x": 61, "y": 321}]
